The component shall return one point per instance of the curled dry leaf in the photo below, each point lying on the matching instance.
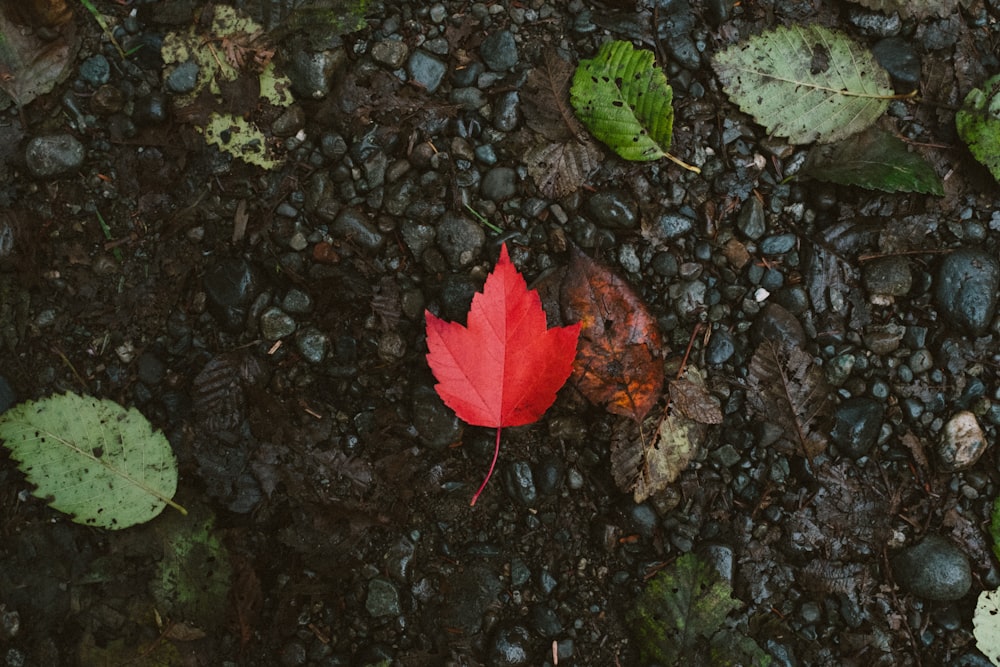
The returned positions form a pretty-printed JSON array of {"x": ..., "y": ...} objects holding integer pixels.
[
  {"x": 788, "y": 389},
  {"x": 618, "y": 364}
]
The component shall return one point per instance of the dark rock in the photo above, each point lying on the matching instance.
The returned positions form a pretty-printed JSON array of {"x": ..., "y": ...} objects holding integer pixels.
[
  {"x": 778, "y": 244},
  {"x": 511, "y": 646},
  {"x": 546, "y": 621},
  {"x": 934, "y": 569},
  {"x": 519, "y": 482},
  {"x": 95, "y": 70},
  {"x": 352, "y": 224},
  {"x": 275, "y": 324},
  {"x": 671, "y": 226},
  {"x": 54, "y": 154},
  {"x": 966, "y": 290},
  {"x": 889, "y": 276},
  {"x": 230, "y": 285},
  {"x": 7, "y": 396},
  {"x": 183, "y": 78},
  {"x": 751, "y": 220},
  {"x": 721, "y": 347},
  {"x": 425, "y": 70},
  {"x": 466, "y": 76},
  {"x": 499, "y": 51},
  {"x": 383, "y": 598},
  {"x": 500, "y": 183},
  {"x": 776, "y": 324},
  {"x": 312, "y": 72},
  {"x": 899, "y": 58},
  {"x": 150, "y": 370},
  {"x": 505, "y": 111},
  {"x": 289, "y": 122},
  {"x": 613, "y": 210},
  {"x": 390, "y": 52},
  {"x": 459, "y": 239},
  {"x": 150, "y": 110},
  {"x": 857, "y": 423}
]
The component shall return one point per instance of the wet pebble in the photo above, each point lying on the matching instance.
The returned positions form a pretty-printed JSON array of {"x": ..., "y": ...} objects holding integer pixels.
[
  {"x": 777, "y": 324},
  {"x": 183, "y": 78},
  {"x": 519, "y": 482},
  {"x": 436, "y": 423},
  {"x": 962, "y": 442},
  {"x": 510, "y": 646},
  {"x": 312, "y": 344},
  {"x": 778, "y": 244},
  {"x": 54, "y": 154},
  {"x": 966, "y": 290},
  {"x": 546, "y": 621},
  {"x": 390, "y": 52},
  {"x": 425, "y": 70},
  {"x": 230, "y": 285},
  {"x": 721, "y": 347},
  {"x": 890, "y": 276},
  {"x": 383, "y": 598},
  {"x": 297, "y": 302},
  {"x": 399, "y": 560},
  {"x": 312, "y": 72},
  {"x": 499, "y": 183},
  {"x": 499, "y": 51},
  {"x": 505, "y": 111},
  {"x": 751, "y": 220},
  {"x": 95, "y": 70},
  {"x": 460, "y": 239},
  {"x": 353, "y": 225},
  {"x": 933, "y": 569},
  {"x": 899, "y": 58},
  {"x": 276, "y": 324},
  {"x": 673, "y": 225},
  {"x": 857, "y": 423},
  {"x": 613, "y": 210}
]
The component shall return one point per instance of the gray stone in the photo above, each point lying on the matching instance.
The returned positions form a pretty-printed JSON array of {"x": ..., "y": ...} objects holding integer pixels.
[
  {"x": 613, "y": 210},
  {"x": 857, "y": 423},
  {"x": 312, "y": 344},
  {"x": 751, "y": 220},
  {"x": 95, "y": 70},
  {"x": 673, "y": 225},
  {"x": 778, "y": 325},
  {"x": 934, "y": 569},
  {"x": 289, "y": 122},
  {"x": 183, "y": 78},
  {"x": 425, "y": 70},
  {"x": 390, "y": 52},
  {"x": 383, "y": 598},
  {"x": 721, "y": 347},
  {"x": 416, "y": 235},
  {"x": 966, "y": 290},
  {"x": 499, "y": 51},
  {"x": 298, "y": 302},
  {"x": 506, "y": 111},
  {"x": 500, "y": 183},
  {"x": 459, "y": 239},
  {"x": 519, "y": 482},
  {"x": 778, "y": 244},
  {"x": 436, "y": 424},
  {"x": 470, "y": 98},
  {"x": 883, "y": 339},
  {"x": 312, "y": 72},
  {"x": 889, "y": 276},
  {"x": 53, "y": 155},
  {"x": 276, "y": 324},
  {"x": 899, "y": 58},
  {"x": 962, "y": 442},
  {"x": 352, "y": 224}
]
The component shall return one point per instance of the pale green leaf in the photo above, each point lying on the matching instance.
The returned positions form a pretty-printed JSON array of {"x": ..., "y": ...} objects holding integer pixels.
[
  {"x": 978, "y": 124},
  {"x": 807, "y": 83},
  {"x": 624, "y": 99},
  {"x": 240, "y": 138},
  {"x": 986, "y": 625},
  {"x": 92, "y": 459},
  {"x": 873, "y": 159}
]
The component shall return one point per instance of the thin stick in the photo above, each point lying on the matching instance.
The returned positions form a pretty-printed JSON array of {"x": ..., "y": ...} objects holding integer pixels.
[{"x": 496, "y": 453}]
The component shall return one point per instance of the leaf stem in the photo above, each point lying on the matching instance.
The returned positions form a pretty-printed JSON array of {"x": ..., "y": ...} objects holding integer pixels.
[
  {"x": 681, "y": 163},
  {"x": 496, "y": 453}
]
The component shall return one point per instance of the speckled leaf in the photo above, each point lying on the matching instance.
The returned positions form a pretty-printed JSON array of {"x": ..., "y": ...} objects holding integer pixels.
[
  {"x": 873, "y": 159},
  {"x": 986, "y": 625},
  {"x": 978, "y": 124},
  {"x": 92, "y": 459},
  {"x": 807, "y": 83},
  {"x": 624, "y": 99},
  {"x": 240, "y": 138},
  {"x": 559, "y": 169}
]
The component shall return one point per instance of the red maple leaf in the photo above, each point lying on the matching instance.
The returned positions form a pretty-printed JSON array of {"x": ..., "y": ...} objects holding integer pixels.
[{"x": 505, "y": 368}]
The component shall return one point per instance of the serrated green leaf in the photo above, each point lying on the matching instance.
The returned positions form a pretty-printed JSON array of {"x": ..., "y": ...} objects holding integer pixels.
[
  {"x": 92, "y": 459},
  {"x": 873, "y": 159},
  {"x": 683, "y": 611},
  {"x": 807, "y": 83},
  {"x": 978, "y": 124},
  {"x": 625, "y": 101}
]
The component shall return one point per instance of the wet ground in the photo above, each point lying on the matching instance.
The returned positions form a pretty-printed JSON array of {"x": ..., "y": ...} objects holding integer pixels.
[{"x": 271, "y": 322}]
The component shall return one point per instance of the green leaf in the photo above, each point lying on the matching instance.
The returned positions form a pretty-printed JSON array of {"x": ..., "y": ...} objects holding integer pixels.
[
  {"x": 240, "y": 138},
  {"x": 873, "y": 159},
  {"x": 683, "y": 611},
  {"x": 978, "y": 124},
  {"x": 625, "y": 101},
  {"x": 92, "y": 459},
  {"x": 807, "y": 83}
]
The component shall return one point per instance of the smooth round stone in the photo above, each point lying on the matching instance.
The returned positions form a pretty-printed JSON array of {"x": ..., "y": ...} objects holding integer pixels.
[
  {"x": 500, "y": 183},
  {"x": 890, "y": 276},
  {"x": 312, "y": 344},
  {"x": 150, "y": 109},
  {"x": 383, "y": 598},
  {"x": 53, "y": 155},
  {"x": 611, "y": 209},
  {"x": 183, "y": 78},
  {"x": 459, "y": 239},
  {"x": 856, "y": 425},
  {"x": 275, "y": 324},
  {"x": 95, "y": 70},
  {"x": 934, "y": 569},
  {"x": 966, "y": 290},
  {"x": 499, "y": 51},
  {"x": 425, "y": 70},
  {"x": 469, "y": 99},
  {"x": 962, "y": 442},
  {"x": 352, "y": 224},
  {"x": 721, "y": 347}
]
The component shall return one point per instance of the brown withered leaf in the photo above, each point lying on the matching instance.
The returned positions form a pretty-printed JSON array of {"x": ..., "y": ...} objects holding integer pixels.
[
  {"x": 559, "y": 169},
  {"x": 31, "y": 65},
  {"x": 692, "y": 400},
  {"x": 787, "y": 388},
  {"x": 618, "y": 364},
  {"x": 646, "y": 459},
  {"x": 546, "y": 99}
]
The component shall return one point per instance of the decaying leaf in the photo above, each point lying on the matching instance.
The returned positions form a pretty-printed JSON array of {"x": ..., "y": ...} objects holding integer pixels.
[
  {"x": 807, "y": 83},
  {"x": 618, "y": 364},
  {"x": 986, "y": 625},
  {"x": 29, "y": 64},
  {"x": 873, "y": 159},
  {"x": 559, "y": 169},
  {"x": 788, "y": 389},
  {"x": 646, "y": 458},
  {"x": 562, "y": 163}
]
